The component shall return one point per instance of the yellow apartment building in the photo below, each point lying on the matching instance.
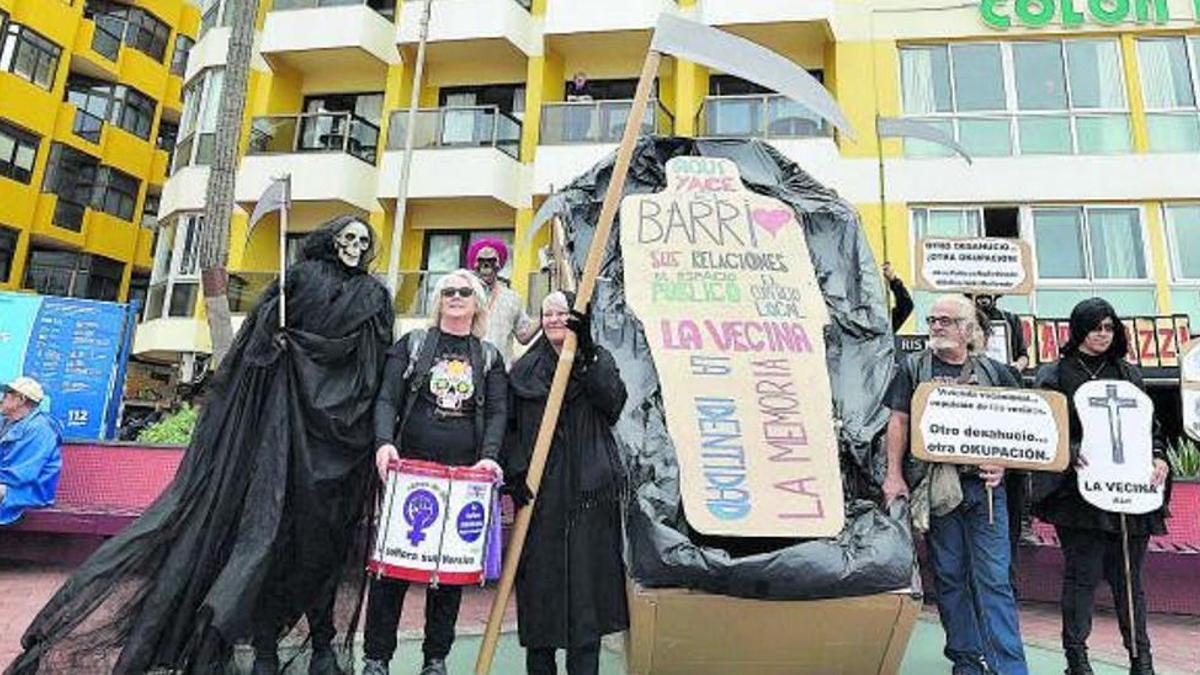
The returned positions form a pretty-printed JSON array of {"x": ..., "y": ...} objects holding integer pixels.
[
  {"x": 1082, "y": 116},
  {"x": 90, "y": 100}
]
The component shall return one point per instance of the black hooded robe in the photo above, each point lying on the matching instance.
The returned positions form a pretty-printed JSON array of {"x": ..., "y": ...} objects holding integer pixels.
[
  {"x": 267, "y": 504},
  {"x": 571, "y": 580}
]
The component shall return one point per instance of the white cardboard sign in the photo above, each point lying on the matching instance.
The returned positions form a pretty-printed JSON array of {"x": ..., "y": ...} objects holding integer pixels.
[
  {"x": 979, "y": 265},
  {"x": 1189, "y": 388},
  {"x": 1013, "y": 428},
  {"x": 1117, "y": 418}
]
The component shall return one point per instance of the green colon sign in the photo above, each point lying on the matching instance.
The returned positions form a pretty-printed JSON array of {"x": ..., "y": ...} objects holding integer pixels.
[{"x": 1069, "y": 13}]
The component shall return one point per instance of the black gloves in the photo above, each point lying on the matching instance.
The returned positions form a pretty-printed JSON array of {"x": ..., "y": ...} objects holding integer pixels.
[
  {"x": 518, "y": 489},
  {"x": 581, "y": 324}
]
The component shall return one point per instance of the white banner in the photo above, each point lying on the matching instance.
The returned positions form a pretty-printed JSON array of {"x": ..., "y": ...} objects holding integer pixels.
[{"x": 1117, "y": 419}]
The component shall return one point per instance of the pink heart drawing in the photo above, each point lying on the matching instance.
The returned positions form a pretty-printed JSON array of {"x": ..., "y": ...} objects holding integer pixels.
[{"x": 771, "y": 220}]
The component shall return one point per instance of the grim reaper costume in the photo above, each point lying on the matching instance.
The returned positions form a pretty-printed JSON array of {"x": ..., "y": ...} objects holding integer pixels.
[
  {"x": 571, "y": 580},
  {"x": 265, "y": 518}
]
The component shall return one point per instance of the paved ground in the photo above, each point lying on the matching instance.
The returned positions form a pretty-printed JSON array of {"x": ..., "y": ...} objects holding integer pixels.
[{"x": 25, "y": 587}]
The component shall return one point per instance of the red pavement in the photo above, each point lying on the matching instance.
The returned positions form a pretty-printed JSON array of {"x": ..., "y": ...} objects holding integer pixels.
[{"x": 25, "y": 587}]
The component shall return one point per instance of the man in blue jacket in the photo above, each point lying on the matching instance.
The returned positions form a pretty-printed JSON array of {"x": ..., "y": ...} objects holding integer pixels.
[{"x": 30, "y": 455}]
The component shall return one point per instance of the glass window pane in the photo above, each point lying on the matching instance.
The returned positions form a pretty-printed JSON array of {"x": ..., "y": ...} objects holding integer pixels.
[
  {"x": 985, "y": 138},
  {"x": 952, "y": 223},
  {"x": 1184, "y": 225},
  {"x": 915, "y": 147},
  {"x": 1186, "y": 300},
  {"x": 1044, "y": 135},
  {"x": 1096, "y": 80},
  {"x": 1116, "y": 237},
  {"x": 1166, "y": 82},
  {"x": 1103, "y": 135},
  {"x": 1174, "y": 133},
  {"x": 1058, "y": 236},
  {"x": 925, "y": 80},
  {"x": 1039, "y": 74},
  {"x": 978, "y": 77}
]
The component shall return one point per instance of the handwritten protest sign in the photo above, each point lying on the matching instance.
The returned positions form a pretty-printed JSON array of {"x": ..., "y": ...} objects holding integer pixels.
[
  {"x": 1013, "y": 428},
  {"x": 1116, "y": 418},
  {"x": 722, "y": 281},
  {"x": 1189, "y": 388},
  {"x": 979, "y": 265}
]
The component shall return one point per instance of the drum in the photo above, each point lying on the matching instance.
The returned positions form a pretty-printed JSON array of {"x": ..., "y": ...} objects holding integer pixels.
[{"x": 436, "y": 525}]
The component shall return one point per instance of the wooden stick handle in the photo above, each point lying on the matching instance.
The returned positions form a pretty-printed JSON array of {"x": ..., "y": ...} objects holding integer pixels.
[
  {"x": 541, "y": 448},
  {"x": 1133, "y": 648},
  {"x": 991, "y": 505}
]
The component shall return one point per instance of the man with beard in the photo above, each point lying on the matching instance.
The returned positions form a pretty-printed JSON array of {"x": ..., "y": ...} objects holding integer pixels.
[
  {"x": 969, "y": 555},
  {"x": 571, "y": 580},
  {"x": 265, "y": 518}
]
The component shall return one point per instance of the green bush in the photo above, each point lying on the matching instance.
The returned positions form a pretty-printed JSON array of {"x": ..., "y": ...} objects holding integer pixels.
[
  {"x": 175, "y": 429},
  {"x": 1184, "y": 455}
]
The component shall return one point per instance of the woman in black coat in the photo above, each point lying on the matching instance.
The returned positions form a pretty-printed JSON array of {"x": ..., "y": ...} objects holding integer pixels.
[
  {"x": 571, "y": 580},
  {"x": 1090, "y": 537}
]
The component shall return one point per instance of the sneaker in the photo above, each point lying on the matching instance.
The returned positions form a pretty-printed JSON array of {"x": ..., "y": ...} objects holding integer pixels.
[
  {"x": 375, "y": 667},
  {"x": 434, "y": 667},
  {"x": 323, "y": 662}
]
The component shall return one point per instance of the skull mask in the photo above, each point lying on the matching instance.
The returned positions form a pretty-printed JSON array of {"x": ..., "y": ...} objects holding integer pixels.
[{"x": 352, "y": 242}]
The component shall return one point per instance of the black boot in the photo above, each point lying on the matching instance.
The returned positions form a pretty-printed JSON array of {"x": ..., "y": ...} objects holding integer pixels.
[
  {"x": 1142, "y": 665},
  {"x": 323, "y": 662},
  {"x": 1077, "y": 661}
]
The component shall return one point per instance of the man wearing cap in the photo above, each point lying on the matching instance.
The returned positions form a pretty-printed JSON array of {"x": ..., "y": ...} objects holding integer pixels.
[
  {"x": 30, "y": 459},
  {"x": 506, "y": 316}
]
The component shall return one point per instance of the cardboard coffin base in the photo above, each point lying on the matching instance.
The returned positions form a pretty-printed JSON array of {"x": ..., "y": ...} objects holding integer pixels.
[{"x": 673, "y": 630}]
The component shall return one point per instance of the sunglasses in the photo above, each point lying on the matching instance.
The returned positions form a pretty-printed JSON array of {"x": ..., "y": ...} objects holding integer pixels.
[
  {"x": 463, "y": 292},
  {"x": 487, "y": 261}
]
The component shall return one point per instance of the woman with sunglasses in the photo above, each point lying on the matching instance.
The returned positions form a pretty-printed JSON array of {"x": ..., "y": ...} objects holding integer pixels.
[
  {"x": 443, "y": 400},
  {"x": 1091, "y": 537}
]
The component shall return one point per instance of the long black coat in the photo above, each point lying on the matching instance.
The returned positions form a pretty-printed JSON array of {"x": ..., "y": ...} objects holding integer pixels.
[
  {"x": 261, "y": 518},
  {"x": 571, "y": 581}
]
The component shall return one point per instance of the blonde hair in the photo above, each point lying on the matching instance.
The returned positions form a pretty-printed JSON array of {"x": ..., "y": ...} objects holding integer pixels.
[
  {"x": 967, "y": 314},
  {"x": 479, "y": 319}
]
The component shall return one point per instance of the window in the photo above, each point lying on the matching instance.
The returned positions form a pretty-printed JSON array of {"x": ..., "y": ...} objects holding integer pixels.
[
  {"x": 150, "y": 211},
  {"x": 8, "y": 250},
  {"x": 116, "y": 193},
  {"x": 29, "y": 55},
  {"x": 97, "y": 102},
  {"x": 140, "y": 29},
  {"x": 179, "y": 58},
  {"x": 71, "y": 175},
  {"x": 446, "y": 251},
  {"x": 211, "y": 12},
  {"x": 1001, "y": 221},
  {"x": 1183, "y": 233},
  {"x": 71, "y": 274},
  {"x": 133, "y": 111},
  {"x": 1097, "y": 244},
  {"x": 174, "y": 277},
  {"x": 18, "y": 153},
  {"x": 1169, "y": 73},
  {"x": 999, "y": 99},
  {"x": 201, "y": 100},
  {"x": 147, "y": 34}
]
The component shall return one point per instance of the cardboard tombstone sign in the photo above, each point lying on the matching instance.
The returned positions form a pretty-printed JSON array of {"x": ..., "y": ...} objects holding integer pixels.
[
  {"x": 978, "y": 265},
  {"x": 722, "y": 281},
  {"x": 1116, "y": 418},
  {"x": 1189, "y": 388},
  {"x": 1014, "y": 428}
]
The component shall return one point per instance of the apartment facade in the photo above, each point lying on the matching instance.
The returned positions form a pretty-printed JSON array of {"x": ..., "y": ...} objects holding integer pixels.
[
  {"x": 1082, "y": 119},
  {"x": 90, "y": 95}
]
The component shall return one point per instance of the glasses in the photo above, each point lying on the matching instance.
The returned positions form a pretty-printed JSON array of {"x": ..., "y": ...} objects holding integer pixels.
[
  {"x": 936, "y": 321},
  {"x": 1104, "y": 327},
  {"x": 463, "y": 292}
]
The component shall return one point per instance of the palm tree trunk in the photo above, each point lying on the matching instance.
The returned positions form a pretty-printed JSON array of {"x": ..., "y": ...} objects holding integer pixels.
[{"x": 214, "y": 241}]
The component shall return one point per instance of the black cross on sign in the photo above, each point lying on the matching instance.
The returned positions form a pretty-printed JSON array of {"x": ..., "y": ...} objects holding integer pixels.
[{"x": 1114, "y": 404}]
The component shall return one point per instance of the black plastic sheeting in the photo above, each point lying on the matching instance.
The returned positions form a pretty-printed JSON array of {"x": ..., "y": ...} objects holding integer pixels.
[{"x": 874, "y": 553}]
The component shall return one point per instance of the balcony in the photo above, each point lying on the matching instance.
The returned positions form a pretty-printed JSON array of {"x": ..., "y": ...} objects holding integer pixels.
[
  {"x": 739, "y": 12},
  {"x": 329, "y": 37},
  {"x": 458, "y": 152},
  {"x": 601, "y": 17},
  {"x": 331, "y": 157},
  {"x": 788, "y": 126},
  {"x": 576, "y": 135},
  {"x": 483, "y": 29}
]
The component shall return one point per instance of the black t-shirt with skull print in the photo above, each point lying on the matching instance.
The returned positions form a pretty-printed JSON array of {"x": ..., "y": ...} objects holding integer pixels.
[{"x": 442, "y": 426}]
